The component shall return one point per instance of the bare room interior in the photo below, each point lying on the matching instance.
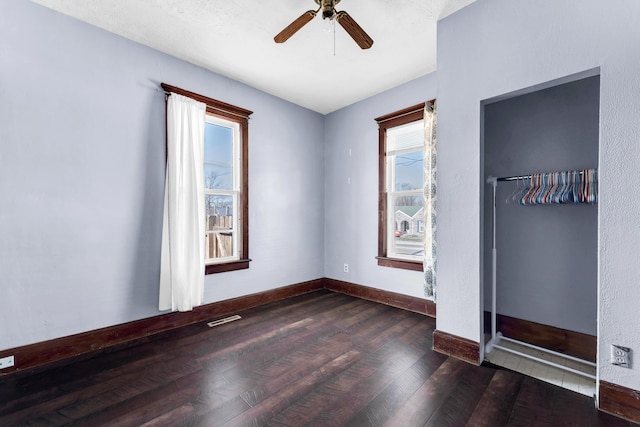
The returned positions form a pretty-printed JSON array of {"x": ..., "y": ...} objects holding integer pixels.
[{"x": 415, "y": 213}]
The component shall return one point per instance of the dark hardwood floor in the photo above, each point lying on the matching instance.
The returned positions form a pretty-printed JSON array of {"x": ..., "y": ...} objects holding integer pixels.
[{"x": 321, "y": 359}]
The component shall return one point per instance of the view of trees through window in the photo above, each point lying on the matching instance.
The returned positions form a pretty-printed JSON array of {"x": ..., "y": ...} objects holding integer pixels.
[{"x": 221, "y": 195}]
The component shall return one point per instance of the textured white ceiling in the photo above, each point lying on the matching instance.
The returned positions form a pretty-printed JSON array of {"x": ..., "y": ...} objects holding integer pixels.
[{"x": 235, "y": 38}]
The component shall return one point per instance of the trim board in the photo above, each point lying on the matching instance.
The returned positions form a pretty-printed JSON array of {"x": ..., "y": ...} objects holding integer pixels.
[{"x": 458, "y": 347}]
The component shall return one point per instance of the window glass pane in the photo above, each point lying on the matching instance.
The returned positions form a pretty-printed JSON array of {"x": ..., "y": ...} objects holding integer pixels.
[
  {"x": 409, "y": 171},
  {"x": 219, "y": 212},
  {"x": 405, "y": 137},
  {"x": 218, "y": 144},
  {"x": 408, "y": 218},
  {"x": 218, "y": 157},
  {"x": 218, "y": 177},
  {"x": 219, "y": 245}
]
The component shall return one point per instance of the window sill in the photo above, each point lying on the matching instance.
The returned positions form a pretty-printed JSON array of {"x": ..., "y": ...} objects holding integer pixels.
[
  {"x": 241, "y": 264},
  {"x": 399, "y": 263}
]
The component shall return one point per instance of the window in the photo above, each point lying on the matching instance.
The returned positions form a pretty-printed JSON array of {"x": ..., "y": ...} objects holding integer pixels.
[
  {"x": 226, "y": 185},
  {"x": 221, "y": 190},
  {"x": 401, "y": 230}
]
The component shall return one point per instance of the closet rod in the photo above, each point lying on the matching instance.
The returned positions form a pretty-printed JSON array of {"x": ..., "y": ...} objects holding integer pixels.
[
  {"x": 497, "y": 336},
  {"x": 514, "y": 178}
]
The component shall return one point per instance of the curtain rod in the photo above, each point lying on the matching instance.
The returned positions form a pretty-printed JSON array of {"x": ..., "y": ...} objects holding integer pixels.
[
  {"x": 490, "y": 179},
  {"x": 167, "y": 94}
]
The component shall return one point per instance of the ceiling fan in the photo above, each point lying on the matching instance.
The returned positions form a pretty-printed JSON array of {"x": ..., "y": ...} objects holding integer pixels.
[{"x": 328, "y": 8}]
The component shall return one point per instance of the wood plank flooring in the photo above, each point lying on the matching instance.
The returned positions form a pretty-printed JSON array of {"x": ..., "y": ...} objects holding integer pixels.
[{"x": 321, "y": 359}]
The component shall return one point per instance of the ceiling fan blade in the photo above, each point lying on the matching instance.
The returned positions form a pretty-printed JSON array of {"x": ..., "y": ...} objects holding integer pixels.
[
  {"x": 355, "y": 31},
  {"x": 293, "y": 28}
]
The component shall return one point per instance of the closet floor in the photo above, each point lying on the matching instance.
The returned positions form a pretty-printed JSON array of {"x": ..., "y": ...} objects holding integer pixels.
[{"x": 542, "y": 371}]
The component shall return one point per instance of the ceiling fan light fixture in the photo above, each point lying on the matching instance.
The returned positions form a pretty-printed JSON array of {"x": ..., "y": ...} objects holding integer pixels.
[{"x": 329, "y": 25}]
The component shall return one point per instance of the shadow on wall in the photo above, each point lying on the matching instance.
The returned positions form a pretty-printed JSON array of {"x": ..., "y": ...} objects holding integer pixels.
[{"x": 145, "y": 265}]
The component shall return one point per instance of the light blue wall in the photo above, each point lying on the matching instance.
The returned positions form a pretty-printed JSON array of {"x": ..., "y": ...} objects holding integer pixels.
[
  {"x": 494, "y": 47},
  {"x": 81, "y": 168},
  {"x": 82, "y": 178},
  {"x": 351, "y": 189},
  {"x": 547, "y": 254}
]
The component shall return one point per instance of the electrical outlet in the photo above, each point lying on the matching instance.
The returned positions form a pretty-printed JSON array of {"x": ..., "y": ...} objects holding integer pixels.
[
  {"x": 620, "y": 356},
  {"x": 345, "y": 268},
  {"x": 7, "y": 362}
]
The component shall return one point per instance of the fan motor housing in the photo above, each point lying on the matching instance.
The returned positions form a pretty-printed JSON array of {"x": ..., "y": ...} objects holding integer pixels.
[{"x": 328, "y": 8}]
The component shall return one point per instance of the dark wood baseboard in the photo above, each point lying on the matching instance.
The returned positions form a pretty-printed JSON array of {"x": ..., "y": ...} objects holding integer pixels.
[
  {"x": 621, "y": 401},
  {"x": 30, "y": 358},
  {"x": 455, "y": 346},
  {"x": 406, "y": 302},
  {"x": 572, "y": 343},
  {"x": 59, "y": 351}
]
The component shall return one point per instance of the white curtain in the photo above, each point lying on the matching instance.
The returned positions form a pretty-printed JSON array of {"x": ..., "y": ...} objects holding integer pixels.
[
  {"x": 183, "y": 234},
  {"x": 430, "y": 199}
]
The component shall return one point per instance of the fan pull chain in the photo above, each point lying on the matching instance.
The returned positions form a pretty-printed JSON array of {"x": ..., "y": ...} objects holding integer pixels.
[{"x": 334, "y": 37}]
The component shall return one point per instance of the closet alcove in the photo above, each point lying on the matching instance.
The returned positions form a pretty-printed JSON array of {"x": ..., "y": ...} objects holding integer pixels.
[{"x": 546, "y": 256}]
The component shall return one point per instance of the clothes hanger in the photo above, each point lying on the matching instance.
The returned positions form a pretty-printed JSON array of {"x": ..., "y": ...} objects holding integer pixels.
[
  {"x": 535, "y": 189},
  {"x": 513, "y": 197},
  {"x": 508, "y": 199},
  {"x": 554, "y": 187},
  {"x": 589, "y": 185},
  {"x": 595, "y": 185},
  {"x": 527, "y": 196},
  {"x": 564, "y": 190},
  {"x": 575, "y": 188},
  {"x": 550, "y": 184},
  {"x": 542, "y": 188},
  {"x": 518, "y": 196}
]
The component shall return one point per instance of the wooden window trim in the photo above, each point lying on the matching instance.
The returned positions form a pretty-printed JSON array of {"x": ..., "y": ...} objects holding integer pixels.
[
  {"x": 397, "y": 118},
  {"x": 240, "y": 116},
  {"x": 399, "y": 263}
]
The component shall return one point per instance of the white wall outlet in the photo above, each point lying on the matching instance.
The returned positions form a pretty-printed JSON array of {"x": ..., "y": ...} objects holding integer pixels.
[
  {"x": 7, "y": 362},
  {"x": 345, "y": 268},
  {"x": 620, "y": 356}
]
